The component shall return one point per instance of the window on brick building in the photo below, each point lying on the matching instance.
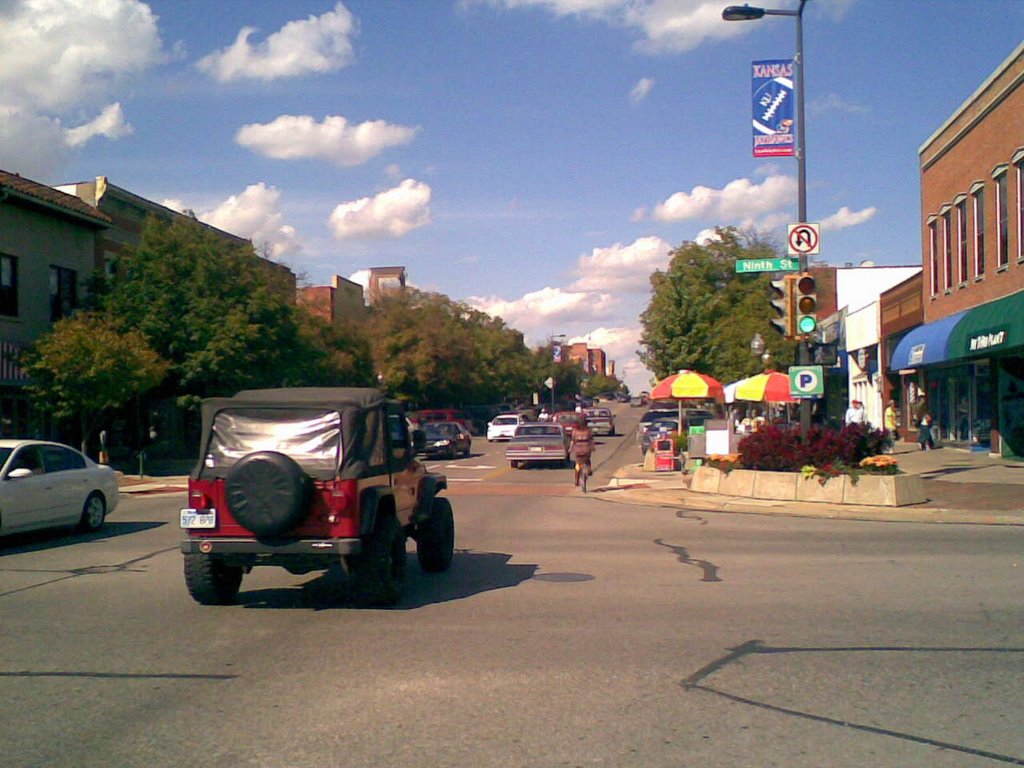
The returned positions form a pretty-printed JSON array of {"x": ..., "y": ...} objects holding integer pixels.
[
  {"x": 1002, "y": 218},
  {"x": 978, "y": 204},
  {"x": 933, "y": 253},
  {"x": 1018, "y": 163},
  {"x": 961, "y": 238},
  {"x": 947, "y": 248}
]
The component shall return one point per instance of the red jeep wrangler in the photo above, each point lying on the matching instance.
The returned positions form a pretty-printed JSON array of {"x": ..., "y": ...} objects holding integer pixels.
[{"x": 306, "y": 478}]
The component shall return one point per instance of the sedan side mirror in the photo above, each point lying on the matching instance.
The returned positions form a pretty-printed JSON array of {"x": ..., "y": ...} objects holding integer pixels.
[{"x": 17, "y": 474}]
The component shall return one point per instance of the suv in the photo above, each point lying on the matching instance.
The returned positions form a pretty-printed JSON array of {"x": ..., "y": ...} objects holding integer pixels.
[{"x": 305, "y": 479}]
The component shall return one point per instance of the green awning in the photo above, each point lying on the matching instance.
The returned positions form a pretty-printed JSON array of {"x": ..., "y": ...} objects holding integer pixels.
[{"x": 989, "y": 329}]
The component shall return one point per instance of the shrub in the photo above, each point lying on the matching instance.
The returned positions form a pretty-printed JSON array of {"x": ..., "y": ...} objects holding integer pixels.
[{"x": 832, "y": 452}]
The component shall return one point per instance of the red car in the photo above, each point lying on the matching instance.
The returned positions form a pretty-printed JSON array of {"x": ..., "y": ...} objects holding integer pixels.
[
  {"x": 424, "y": 417},
  {"x": 568, "y": 420}
]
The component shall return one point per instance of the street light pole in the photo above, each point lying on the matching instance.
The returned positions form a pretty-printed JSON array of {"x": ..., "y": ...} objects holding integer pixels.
[{"x": 748, "y": 13}]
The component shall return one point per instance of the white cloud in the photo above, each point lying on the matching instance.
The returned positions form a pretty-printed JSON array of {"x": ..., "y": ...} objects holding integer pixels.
[
  {"x": 624, "y": 267},
  {"x": 739, "y": 199},
  {"x": 291, "y": 137},
  {"x": 705, "y": 236},
  {"x": 316, "y": 44},
  {"x": 55, "y": 55},
  {"x": 834, "y": 103},
  {"x": 391, "y": 214},
  {"x": 253, "y": 215},
  {"x": 534, "y": 312},
  {"x": 31, "y": 144},
  {"x": 664, "y": 26},
  {"x": 641, "y": 90},
  {"x": 844, "y": 218},
  {"x": 110, "y": 123}
]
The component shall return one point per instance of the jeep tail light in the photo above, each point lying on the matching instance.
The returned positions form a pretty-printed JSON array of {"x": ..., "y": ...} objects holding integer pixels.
[
  {"x": 341, "y": 500},
  {"x": 199, "y": 500}
]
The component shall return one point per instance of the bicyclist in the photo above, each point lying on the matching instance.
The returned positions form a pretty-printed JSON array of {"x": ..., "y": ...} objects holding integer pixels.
[{"x": 582, "y": 446}]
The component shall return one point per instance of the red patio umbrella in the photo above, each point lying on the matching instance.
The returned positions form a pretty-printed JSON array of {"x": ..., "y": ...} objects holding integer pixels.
[{"x": 688, "y": 385}]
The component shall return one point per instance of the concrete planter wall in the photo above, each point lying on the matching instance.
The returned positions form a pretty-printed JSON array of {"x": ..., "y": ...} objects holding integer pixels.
[{"x": 869, "y": 490}]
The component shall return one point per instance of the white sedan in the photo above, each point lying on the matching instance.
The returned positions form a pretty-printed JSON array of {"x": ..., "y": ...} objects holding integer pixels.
[
  {"x": 44, "y": 485},
  {"x": 503, "y": 427}
]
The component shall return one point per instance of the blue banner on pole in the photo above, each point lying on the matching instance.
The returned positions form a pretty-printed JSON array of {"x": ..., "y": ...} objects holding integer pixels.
[
  {"x": 774, "y": 134},
  {"x": 556, "y": 353}
]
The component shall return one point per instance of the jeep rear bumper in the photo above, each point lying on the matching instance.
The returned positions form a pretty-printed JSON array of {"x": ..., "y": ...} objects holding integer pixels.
[{"x": 241, "y": 546}]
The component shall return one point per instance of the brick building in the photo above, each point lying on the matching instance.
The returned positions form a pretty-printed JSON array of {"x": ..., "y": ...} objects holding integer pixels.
[{"x": 965, "y": 364}]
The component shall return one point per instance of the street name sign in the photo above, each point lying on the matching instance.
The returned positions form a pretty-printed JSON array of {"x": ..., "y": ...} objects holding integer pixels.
[{"x": 745, "y": 266}]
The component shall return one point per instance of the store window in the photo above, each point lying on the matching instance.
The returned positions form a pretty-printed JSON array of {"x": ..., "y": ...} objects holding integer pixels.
[
  {"x": 1002, "y": 218},
  {"x": 978, "y": 204},
  {"x": 961, "y": 238},
  {"x": 8, "y": 285}
]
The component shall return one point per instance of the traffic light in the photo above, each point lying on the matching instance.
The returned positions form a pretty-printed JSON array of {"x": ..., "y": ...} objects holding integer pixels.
[
  {"x": 782, "y": 301},
  {"x": 806, "y": 301}
]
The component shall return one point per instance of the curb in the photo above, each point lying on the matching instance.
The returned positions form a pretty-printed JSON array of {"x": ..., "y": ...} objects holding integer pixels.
[{"x": 633, "y": 490}]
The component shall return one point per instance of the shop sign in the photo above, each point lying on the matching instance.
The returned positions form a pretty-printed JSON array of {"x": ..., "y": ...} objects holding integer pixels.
[
  {"x": 916, "y": 354},
  {"x": 979, "y": 342}
]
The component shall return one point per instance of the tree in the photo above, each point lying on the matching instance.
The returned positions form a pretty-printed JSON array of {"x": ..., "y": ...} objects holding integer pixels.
[
  {"x": 432, "y": 350},
  {"x": 221, "y": 318},
  {"x": 85, "y": 366},
  {"x": 703, "y": 315}
]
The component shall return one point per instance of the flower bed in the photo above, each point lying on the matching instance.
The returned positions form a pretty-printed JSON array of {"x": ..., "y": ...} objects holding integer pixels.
[{"x": 837, "y": 467}]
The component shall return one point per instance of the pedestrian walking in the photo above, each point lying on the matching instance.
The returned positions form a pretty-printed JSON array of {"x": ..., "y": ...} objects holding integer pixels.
[
  {"x": 889, "y": 419},
  {"x": 924, "y": 432}
]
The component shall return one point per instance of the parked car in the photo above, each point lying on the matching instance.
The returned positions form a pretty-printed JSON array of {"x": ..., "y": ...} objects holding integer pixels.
[
  {"x": 307, "y": 479},
  {"x": 656, "y": 428},
  {"x": 601, "y": 420},
  {"x": 568, "y": 420},
  {"x": 423, "y": 417},
  {"x": 503, "y": 427},
  {"x": 49, "y": 485},
  {"x": 538, "y": 443},
  {"x": 654, "y": 414},
  {"x": 446, "y": 438}
]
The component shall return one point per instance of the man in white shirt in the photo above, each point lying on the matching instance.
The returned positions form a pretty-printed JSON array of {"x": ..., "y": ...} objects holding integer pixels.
[{"x": 855, "y": 413}]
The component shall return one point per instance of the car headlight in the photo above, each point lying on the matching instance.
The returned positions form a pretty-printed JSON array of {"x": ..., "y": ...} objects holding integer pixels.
[{"x": 442, "y": 442}]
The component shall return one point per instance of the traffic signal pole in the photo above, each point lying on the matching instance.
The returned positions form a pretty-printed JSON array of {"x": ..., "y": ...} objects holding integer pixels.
[{"x": 803, "y": 352}]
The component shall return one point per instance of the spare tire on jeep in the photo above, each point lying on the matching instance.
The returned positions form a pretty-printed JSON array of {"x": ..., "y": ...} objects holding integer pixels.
[{"x": 267, "y": 493}]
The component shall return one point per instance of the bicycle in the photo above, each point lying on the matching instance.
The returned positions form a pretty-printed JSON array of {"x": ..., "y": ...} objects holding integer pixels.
[{"x": 583, "y": 471}]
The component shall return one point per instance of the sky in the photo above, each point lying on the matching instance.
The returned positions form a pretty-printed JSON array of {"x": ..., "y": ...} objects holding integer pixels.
[{"x": 536, "y": 159}]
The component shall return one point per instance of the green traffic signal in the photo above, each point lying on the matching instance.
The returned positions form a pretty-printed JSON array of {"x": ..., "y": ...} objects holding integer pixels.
[{"x": 806, "y": 304}]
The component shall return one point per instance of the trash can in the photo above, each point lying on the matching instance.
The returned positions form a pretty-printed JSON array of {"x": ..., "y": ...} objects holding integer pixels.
[{"x": 664, "y": 455}]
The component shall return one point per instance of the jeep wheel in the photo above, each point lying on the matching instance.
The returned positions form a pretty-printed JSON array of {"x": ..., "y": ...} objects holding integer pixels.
[
  {"x": 378, "y": 574},
  {"x": 267, "y": 492},
  {"x": 210, "y": 581},
  {"x": 435, "y": 542}
]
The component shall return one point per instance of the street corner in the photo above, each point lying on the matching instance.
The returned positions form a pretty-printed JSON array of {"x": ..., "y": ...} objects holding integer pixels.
[{"x": 135, "y": 485}]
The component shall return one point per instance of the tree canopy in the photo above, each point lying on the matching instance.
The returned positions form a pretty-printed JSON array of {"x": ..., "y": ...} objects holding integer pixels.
[{"x": 703, "y": 315}]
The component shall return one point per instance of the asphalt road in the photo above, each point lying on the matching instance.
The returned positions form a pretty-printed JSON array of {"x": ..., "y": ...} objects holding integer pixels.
[{"x": 570, "y": 631}]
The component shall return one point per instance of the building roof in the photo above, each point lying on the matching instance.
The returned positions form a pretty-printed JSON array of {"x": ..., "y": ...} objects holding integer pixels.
[{"x": 13, "y": 185}]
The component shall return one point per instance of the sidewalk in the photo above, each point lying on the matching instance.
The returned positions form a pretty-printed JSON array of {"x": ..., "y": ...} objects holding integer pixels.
[{"x": 961, "y": 487}]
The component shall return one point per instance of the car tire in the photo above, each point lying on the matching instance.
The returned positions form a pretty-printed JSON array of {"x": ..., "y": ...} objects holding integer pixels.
[
  {"x": 378, "y": 573},
  {"x": 210, "y": 581},
  {"x": 94, "y": 512},
  {"x": 267, "y": 493},
  {"x": 435, "y": 542},
  {"x": 514, "y": 464}
]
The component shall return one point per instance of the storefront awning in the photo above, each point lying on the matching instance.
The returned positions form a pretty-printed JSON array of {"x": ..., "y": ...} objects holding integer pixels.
[
  {"x": 925, "y": 345},
  {"x": 989, "y": 328}
]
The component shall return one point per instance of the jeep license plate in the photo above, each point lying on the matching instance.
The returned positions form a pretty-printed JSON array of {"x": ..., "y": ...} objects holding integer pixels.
[{"x": 198, "y": 518}]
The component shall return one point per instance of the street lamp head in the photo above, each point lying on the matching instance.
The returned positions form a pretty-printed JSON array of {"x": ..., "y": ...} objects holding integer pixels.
[
  {"x": 757, "y": 344},
  {"x": 742, "y": 13}
]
